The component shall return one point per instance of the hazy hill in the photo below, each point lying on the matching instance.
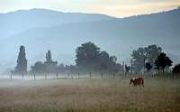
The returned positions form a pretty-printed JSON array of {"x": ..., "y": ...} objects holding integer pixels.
[
  {"x": 16, "y": 22},
  {"x": 49, "y": 30}
]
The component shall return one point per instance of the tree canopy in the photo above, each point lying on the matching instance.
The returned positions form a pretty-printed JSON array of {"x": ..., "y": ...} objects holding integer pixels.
[
  {"x": 48, "y": 56},
  {"x": 163, "y": 61},
  {"x": 49, "y": 65},
  {"x": 143, "y": 55},
  {"x": 176, "y": 69},
  {"x": 148, "y": 66},
  {"x": 38, "y": 67},
  {"x": 89, "y": 57},
  {"x": 21, "y": 61}
]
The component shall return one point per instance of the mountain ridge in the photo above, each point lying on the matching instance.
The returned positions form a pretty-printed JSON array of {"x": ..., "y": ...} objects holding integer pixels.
[{"x": 117, "y": 36}]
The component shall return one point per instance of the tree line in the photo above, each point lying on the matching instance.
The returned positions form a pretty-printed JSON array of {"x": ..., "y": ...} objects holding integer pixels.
[{"x": 90, "y": 58}]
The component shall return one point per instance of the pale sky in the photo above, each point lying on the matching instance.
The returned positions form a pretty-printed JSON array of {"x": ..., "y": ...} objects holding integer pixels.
[{"x": 117, "y": 8}]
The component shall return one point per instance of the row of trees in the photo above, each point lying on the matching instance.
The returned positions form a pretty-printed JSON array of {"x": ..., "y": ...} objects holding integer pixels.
[
  {"x": 150, "y": 58},
  {"x": 89, "y": 58},
  {"x": 49, "y": 66}
]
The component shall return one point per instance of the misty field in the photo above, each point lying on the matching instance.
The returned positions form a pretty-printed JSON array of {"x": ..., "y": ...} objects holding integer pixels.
[{"x": 85, "y": 95}]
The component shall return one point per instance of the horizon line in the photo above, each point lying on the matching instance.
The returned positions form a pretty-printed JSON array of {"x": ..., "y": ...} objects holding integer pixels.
[{"x": 74, "y": 12}]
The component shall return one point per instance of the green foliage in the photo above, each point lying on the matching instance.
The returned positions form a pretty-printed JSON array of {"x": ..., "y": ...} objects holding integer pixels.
[
  {"x": 38, "y": 67},
  {"x": 90, "y": 58},
  {"x": 48, "y": 66},
  {"x": 86, "y": 56},
  {"x": 141, "y": 55},
  {"x": 148, "y": 66},
  {"x": 176, "y": 69},
  {"x": 163, "y": 61},
  {"x": 127, "y": 68},
  {"x": 48, "y": 56},
  {"x": 21, "y": 61}
]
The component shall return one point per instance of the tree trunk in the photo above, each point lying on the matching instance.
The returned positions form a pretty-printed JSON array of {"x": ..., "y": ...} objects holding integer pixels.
[{"x": 163, "y": 71}]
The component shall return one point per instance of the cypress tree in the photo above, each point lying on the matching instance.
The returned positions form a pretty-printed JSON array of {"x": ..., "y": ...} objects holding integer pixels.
[{"x": 21, "y": 61}]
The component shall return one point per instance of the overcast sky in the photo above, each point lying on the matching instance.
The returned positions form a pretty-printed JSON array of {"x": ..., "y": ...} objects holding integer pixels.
[{"x": 118, "y": 8}]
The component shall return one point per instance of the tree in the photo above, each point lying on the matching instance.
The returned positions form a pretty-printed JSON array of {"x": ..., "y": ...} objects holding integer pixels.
[
  {"x": 127, "y": 68},
  {"x": 106, "y": 63},
  {"x": 152, "y": 52},
  {"x": 139, "y": 56},
  {"x": 90, "y": 58},
  {"x": 48, "y": 56},
  {"x": 86, "y": 56},
  {"x": 38, "y": 67},
  {"x": 21, "y": 61},
  {"x": 103, "y": 60},
  {"x": 61, "y": 68},
  {"x": 163, "y": 61},
  {"x": 138, "y": 59},
  {"x": 176, "y": 69},
  {"x": 50, "y": 65},
  {"x": 148, "y": 66}
]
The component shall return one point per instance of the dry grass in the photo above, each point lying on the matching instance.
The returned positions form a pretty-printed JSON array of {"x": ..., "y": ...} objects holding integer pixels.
[{"x": 85, "y": 95}]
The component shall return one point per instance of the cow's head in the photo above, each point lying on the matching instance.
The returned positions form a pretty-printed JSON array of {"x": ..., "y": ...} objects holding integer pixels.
[{"x": 131, "y": 80}]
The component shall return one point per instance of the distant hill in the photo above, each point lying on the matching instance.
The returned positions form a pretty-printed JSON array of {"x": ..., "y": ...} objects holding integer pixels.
[
  {"x": 19, "y": 21},
  {"x": 40, "y": 30}
]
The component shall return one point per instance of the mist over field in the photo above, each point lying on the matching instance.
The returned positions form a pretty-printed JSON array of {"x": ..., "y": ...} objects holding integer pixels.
[
  {"x": 90, "y": 60},
  {"x": 40, "y": 30}
]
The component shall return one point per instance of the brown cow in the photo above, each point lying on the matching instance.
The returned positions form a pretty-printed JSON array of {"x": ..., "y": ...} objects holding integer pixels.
[{"x": 137, "y": 81}]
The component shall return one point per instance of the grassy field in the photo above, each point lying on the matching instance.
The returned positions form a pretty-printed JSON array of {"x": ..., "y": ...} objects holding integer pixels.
[{"x": 84, "y": 95}]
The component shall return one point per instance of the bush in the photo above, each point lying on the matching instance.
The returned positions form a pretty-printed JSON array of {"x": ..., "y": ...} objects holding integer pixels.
[{"x": 176, "y": 69}]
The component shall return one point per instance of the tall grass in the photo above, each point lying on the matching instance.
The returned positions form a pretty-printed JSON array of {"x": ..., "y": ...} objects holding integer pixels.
[{"x": 96, "y": 95}]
